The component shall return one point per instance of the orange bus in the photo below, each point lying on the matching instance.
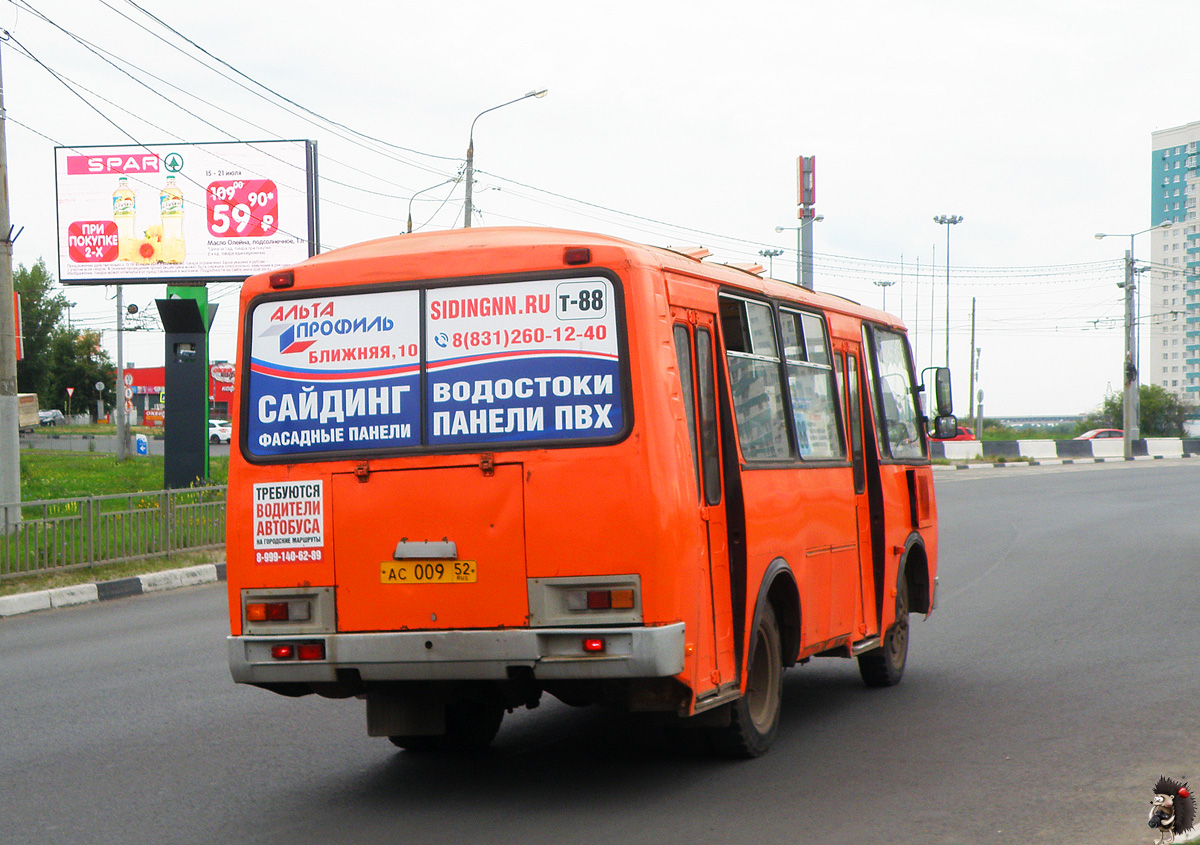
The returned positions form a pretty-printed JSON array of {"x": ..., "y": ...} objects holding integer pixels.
[{"x": 476, "y": 466}]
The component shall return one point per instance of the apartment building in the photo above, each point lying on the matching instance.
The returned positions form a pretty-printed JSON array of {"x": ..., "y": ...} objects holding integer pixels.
[{"x": 1171, "y": 284}]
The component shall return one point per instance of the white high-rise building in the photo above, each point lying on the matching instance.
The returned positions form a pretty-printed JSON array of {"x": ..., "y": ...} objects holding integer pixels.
[{"x": 1173, "y": 280}]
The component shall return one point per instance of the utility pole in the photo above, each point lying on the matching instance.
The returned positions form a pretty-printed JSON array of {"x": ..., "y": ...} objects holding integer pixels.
[
  {"x": 808, "y": 216},
  {"x": 1130, "y": 403},
  {"x": 971, "y": 395},
  {"x": 10, "y": 443},
  {"x": 122, "y": 428}
]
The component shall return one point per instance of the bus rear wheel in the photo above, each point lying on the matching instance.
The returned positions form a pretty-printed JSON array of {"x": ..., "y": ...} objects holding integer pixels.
[
  {"x": 754, "y": 718},
  {"x": 884, "y": 666},
  {"x": 470, "y": 726}
]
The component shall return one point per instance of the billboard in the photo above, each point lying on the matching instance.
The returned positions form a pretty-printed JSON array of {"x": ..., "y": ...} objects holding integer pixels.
[{"x": 172, "y": 213}]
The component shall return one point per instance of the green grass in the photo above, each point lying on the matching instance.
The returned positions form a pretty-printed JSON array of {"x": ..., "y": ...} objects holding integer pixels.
[
  {"x": 66, "y": 475},
  {"x": 97, "y": 429}
]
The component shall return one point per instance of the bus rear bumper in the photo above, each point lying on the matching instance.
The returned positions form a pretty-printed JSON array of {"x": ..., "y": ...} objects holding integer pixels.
[{"x": 551, "y": 653}]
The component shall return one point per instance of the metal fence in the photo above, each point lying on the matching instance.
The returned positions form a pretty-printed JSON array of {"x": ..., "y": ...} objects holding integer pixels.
[{"x": 68, "y": 533}]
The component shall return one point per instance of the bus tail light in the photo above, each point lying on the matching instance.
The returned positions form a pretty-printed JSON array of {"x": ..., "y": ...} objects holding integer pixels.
[
  {"x": 600, "y": 600},
  {"x": 585, "y": 600},
  {"x": 278, "y": 611},
  {"x": 593, "y": 645},
  {"x": 301, "y": 651},
  {"x": 311, "y": 651},
  {"x": 284, "y": 279}
]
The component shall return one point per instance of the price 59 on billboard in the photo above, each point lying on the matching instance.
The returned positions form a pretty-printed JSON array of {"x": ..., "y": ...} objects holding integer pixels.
[{"x": 243, "y": 209}]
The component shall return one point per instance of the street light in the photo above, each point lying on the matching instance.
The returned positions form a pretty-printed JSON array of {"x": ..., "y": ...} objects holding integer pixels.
[
  {"x": 948, "y": 220},
  {"x": 424, "y": 190},
  {"x": 471, "y": 148},
  {"x": 770, "y": 255},
  {"x": 800, "y": 252},
  {"x": 1131, "y": 404},
  {"x": 885, "y": 284}
]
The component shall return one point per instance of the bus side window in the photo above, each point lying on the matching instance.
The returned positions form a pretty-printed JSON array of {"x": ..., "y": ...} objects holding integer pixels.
[
  {"x": 812, "y": 387},
  {"x": 854, "y": 420},
  {"x": 755, "y": 379},
  {"x": 899, "y": 419},
  {"x": 683, "y": 356},
  {"x": 710, "y": 452}
]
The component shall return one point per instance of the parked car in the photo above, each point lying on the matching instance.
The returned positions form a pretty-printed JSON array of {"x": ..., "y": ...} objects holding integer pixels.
[
  {"x": 1102, "y": 434},
  {"x": 219, "y": 431},
  {"x": 52, "y": 417},
  {"x": 963, "y": 433}
]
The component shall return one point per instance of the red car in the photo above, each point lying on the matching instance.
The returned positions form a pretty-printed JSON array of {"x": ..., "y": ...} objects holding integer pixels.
[
  {"x": 963, "y": 433},
  {"x": 1102, "y": 434}
]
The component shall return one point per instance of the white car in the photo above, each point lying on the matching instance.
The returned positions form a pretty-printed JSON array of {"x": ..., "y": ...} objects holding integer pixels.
[{"x": 219, "y": 431}]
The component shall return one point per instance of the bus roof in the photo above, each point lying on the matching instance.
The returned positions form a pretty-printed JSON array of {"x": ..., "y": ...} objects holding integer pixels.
[{"x": 687, "y": 261}]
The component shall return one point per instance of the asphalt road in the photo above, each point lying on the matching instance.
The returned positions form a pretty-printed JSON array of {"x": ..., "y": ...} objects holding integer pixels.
[{"x": 1053, "y": 684}]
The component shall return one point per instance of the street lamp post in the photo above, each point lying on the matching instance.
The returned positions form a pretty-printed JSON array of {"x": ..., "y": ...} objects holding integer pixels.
[
  {"x": 948, "y": 220},
  {"x": 885, "y": 284},
  {"x": 470, "y": 174},
  {"x": 770, "y": 255},
  {"x": 803, "y": 249},
  {"x": 422, "y": 191},
  {"x": 1131, "y": 401}
]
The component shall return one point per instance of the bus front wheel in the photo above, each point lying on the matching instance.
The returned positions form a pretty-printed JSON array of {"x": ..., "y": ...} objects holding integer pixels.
[
  {"x": 754, "y": 718},
  {"x": 884, "y": 666}
]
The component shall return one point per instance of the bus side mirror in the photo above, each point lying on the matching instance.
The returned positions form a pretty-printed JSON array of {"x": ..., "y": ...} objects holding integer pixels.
[
  {"x": 943, "y": 399},
  {"x": 945, "y": 427}
]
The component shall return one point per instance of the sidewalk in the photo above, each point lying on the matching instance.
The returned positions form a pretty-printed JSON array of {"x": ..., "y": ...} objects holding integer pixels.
[{"x": 169, "y": 579}]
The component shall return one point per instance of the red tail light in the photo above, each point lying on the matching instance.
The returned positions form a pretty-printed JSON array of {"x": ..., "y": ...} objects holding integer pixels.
[{"x": 311, "y": 651}]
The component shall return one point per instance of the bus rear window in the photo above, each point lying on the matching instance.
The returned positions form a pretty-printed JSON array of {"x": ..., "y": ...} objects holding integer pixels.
[{"x": 520, "y": 362}]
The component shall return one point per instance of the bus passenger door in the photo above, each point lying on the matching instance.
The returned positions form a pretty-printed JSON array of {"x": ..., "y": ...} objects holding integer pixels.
[
  {"x": 851, "y": 390},
  {"x": 695, "y": 349}
]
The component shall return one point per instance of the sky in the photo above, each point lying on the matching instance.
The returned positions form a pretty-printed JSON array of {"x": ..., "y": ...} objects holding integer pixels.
[{"x": 668, "y": 123}]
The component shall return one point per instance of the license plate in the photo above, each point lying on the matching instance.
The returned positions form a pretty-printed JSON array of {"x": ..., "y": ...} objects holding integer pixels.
[{"x": 427, "y": 572}]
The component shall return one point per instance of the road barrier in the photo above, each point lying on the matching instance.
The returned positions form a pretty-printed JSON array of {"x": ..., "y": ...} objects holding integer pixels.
[
  {"x": 1042, "y": 450},
  {"x": 69, "y": 533}
]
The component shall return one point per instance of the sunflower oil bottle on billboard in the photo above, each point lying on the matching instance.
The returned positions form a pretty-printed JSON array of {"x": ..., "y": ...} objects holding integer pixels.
[
  {"x": 171, "y": 211},
  {"x": 125, "y": 216}
]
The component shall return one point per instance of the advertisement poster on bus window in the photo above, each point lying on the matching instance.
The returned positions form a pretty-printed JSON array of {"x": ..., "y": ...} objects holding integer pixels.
[
  {"x": 335, "y": 373},
  {"x": 161, "y": 213},
  {"x": 526, "y": 361},
  {"x": 531, "y": 360}
]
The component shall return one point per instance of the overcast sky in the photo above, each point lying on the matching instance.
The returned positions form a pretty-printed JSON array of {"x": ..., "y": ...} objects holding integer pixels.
[{"x": 676, "y": 124}]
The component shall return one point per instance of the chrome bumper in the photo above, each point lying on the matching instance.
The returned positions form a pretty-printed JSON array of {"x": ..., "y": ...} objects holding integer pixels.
[{"x": 552, "y": 654}]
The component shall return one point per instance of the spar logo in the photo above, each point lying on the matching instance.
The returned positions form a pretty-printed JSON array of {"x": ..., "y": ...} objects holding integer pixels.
[{"x": 288, "y": 342}]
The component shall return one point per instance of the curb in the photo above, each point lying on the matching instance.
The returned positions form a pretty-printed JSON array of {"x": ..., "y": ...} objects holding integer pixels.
[{"x": 154, "y": 582}]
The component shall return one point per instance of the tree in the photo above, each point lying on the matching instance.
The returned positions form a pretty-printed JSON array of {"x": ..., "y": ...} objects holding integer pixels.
[
  {"x": 42, "y": 310},
  {"x": 1162, "y": 414},
  {"x": 78, "y": 361}
]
